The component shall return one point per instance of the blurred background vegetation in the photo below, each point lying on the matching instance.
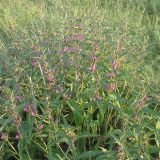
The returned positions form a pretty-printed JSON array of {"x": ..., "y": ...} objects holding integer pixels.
[{"x": 25, "y": 23}]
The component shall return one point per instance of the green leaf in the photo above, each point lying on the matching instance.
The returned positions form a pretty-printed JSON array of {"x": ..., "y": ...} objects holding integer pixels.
[
  {"x": 20, "y": 148},
  {"x": 153, "y": 149},
  {"x": 87, "y": 135},
  {"x": 89, "y": 154},
  {"x": 102, "y": 111},
  {"x": 26, "y": 130},
  {"x": 4, "y": 123},
  {"x": 158, "y": 125},
  {"x": 153, "y": 113},
  {"x": 78, "y": 116},
  {"x": 112, "y": 96}
]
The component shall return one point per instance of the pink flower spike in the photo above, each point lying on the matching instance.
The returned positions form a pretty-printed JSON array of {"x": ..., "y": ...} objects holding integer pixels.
[
  {"x": 81, "y": 37},
  {"x": 94, "y": 58},
  {"x": 40, "y": 127},
  {"x": 34, "y": 110},
  {"x": 78, "y": 37},
  {"x": 115, "y": 64},
  {"x": 111, "y": 75},
  {"x": 3, "y": 136},
  {"x": 64, "y": 50},
  {"x": 93, "y": 68},
  {"x": 19, "y": 98},
  {"x": 74, "y": 49},
  {"x": 26, "y": 108},
  {"x": 51, "y": 80},
  {"x": 112, "y": 87},
  {"x": 143, "y": 101},
  {"x": 60, "y": 88}
]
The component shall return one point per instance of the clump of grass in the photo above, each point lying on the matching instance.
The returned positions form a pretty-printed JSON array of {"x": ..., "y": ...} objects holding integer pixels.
[{"x": 74, "y": 85}]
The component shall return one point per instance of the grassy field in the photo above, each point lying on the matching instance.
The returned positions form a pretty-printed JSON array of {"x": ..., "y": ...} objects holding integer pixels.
[{"x": 79, "y": 80}]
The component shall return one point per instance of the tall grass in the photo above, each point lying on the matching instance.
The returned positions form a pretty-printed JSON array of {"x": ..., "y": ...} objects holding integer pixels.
[{"x": 79, "y": 79}]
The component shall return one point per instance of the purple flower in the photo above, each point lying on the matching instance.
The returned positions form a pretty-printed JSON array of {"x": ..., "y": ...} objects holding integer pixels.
[
  {"x": 26, "y": 108},
  {"x": 111, "y": 75},
  {"x": 94, "y": 58},
  {"x": 51, "y": 80},
  {"x": 78, "y": 37},
  {"x": 72, "y": 49},
  {"x": 40, "y": 127},
  {"x": 19, "y": 98},
  {"x": 60, "y": 89},
  {"x": 34, "y": 63},
  {"x": 18, "y": 136},
  {"x": 93, "y": 68},
  {"x": 64, "y": 50},
  {"x": 30, "y": 108},
  {"x": 33, "y": 110},
  {"x": 143, "y": 101},
  {"x": 3, "y": 136},
  {"x": 115, "y": 64},
  {"x": 112, "y": 87},
  {"x": 96, "y": 97},
  {"x": 33, "y": 113}
]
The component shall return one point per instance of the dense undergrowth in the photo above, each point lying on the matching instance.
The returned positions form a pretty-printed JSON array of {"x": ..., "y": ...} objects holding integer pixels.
[{"x": 79, "y": 80}]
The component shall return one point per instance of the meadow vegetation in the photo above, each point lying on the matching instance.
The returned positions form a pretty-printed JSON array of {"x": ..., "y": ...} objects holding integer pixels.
[{"x": 79, "y": 80}]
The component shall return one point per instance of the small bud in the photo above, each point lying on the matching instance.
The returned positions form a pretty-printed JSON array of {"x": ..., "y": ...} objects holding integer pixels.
[{"x": 18, "y": 136}]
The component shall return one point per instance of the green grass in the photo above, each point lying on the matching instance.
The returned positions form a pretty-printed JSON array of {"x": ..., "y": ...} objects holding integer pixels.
[{"x": 79, "y": 80}]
